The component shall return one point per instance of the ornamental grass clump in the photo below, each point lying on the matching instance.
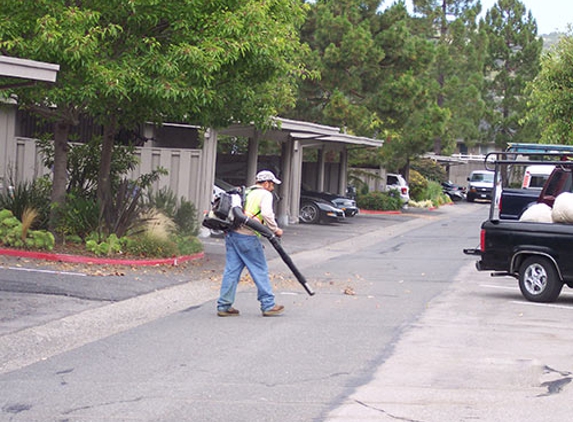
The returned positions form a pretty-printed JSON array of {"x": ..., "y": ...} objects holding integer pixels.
[
  {"x": 29, "y": 215},
  {"x": 158, "y": 236}
]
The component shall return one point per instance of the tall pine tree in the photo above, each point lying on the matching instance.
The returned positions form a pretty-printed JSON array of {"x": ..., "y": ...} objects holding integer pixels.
[
  {"x": 461, "y": 46},
  {"x": 372, "y": 71},
  {"x": 513, "y": 60}
]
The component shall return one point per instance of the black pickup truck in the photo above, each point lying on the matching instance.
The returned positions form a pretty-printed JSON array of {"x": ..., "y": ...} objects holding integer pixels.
[{"x": 537, "y": 254}]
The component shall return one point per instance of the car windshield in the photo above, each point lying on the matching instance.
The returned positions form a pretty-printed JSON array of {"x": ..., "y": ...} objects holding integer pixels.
[{"x": 482, "y": 177}]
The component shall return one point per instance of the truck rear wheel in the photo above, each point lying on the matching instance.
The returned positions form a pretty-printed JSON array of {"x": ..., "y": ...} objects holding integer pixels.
[{"x": 538, "y": 280}]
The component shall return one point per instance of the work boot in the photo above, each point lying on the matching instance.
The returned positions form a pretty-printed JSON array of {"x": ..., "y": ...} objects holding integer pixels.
[
  {"x": 275, "y": 310},
  {"x": 228, "y": 312}
]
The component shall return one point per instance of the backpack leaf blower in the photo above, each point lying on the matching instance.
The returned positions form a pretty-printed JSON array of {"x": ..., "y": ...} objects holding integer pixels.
[{"x": 227, "y": 214}]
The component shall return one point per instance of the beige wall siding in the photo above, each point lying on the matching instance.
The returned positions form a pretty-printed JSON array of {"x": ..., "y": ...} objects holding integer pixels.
[
  {"x": 28, "y": 161},
  {"x": 21, "y": 162},
  {"x": 7, "y": 119},
  {"x": 184, "y": 168}
]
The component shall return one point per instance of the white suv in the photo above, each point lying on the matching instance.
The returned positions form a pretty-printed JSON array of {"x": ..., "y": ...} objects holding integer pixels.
[{"x": 397, "y": 182}]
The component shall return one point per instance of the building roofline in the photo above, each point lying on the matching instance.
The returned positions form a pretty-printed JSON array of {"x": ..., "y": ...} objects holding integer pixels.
[{"x": 28, "y": 69}]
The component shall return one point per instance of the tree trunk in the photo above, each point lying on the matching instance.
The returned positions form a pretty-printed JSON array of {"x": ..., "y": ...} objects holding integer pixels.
[
  {"x": 61, "y": 134},
  {"x": 104, "y": 193}
]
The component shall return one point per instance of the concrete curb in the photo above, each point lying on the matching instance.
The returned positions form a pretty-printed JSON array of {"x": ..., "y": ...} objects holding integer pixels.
[
  {"x": 374, "y": 212},
  {"x": 78, "y": 259}
]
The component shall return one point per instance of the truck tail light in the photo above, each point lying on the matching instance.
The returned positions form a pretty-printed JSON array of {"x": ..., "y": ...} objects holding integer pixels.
[
  {"x": 526, "y": 180},
  {"x": 482, "y": 240},
  {"x": 404, "y": 190}
]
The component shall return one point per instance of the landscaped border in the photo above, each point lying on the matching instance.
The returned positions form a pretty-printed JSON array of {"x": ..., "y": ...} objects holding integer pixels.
[{"x": 78, "y": 259}]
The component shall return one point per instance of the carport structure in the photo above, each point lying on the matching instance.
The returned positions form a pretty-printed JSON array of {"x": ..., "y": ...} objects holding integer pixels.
[{"x": 294, "y": 136}]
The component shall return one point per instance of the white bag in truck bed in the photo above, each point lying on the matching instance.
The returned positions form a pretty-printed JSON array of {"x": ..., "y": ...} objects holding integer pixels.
[{"x": 563, "y": 208}]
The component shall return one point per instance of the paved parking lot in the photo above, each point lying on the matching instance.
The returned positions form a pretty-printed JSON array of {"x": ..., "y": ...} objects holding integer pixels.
[
  {"x": 479, "y": 353},
  {"x": 35, "y": 291}
]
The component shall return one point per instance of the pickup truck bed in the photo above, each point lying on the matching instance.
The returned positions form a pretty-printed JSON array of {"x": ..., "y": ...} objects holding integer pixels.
[{"x": 515, "y": 201}]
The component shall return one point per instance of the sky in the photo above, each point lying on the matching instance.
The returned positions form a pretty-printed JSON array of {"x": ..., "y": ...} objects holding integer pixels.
[{"x": 550, "y": 15}]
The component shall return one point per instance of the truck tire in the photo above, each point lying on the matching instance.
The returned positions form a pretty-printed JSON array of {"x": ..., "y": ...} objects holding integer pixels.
[{"x": 538, "y": 280}]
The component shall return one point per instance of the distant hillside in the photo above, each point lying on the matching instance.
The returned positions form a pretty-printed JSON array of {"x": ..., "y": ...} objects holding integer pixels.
[{"x": 551, "y": 39}]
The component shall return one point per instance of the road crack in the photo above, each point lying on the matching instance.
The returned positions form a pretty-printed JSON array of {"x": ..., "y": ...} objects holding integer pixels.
[{"x": 399, "y": 418}]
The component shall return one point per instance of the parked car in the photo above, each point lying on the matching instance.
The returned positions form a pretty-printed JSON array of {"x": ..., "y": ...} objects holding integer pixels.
[
  {"x": 347, "y": 205},
  {"x": 398, "y": 182},
  {"x": 480, "y": 185},
  {"x": 314, "y": 210}
]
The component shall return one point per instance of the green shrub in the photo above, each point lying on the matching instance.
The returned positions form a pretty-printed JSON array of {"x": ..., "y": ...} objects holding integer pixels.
[
  {"x": 418, "y": 185},
  {"x": 5, "y": 213},
  {"x": 380, "y": 201},
  {"x": 433, "y": 196},
  {"x": 186, "y": 218},
  {"x": 189, "y": 245},
  {"x": 75, "y": 239},
  {"x": 182, "y": 212},
  {"x": 33, "y": 195},
  {"x": 436, "y": 194},
  {"x": 12, "y": 234},
  {"x": 79, "y": 217},
  {"x": 10, "y": 222},
  {"x": 146, "y": 245},
  {"x": 164, "y": 200},
  {"x": 429, "y": 169},
  {"x": 83, "y": 163},
  {"x": 39, "y": 239},
  {"x": 109, "y": 246}
]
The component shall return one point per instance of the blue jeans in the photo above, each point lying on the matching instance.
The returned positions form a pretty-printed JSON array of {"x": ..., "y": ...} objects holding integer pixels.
[{"x": 245, "y": 251}]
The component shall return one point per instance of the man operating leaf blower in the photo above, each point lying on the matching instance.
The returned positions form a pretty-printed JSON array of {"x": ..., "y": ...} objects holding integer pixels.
[{"x": 244, "y": 249}]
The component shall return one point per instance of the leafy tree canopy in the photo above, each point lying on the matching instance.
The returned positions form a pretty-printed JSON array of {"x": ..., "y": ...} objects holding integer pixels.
[
  {"x": 552, "y": 94},
  {"x": 208, "y": 62},
  {"x": 125, "y": 62}
]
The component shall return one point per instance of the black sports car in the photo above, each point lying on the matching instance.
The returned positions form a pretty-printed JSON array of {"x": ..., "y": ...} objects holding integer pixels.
[
  {"x": 315, "y": 210},
  {"x": 345, "y": 204}
]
